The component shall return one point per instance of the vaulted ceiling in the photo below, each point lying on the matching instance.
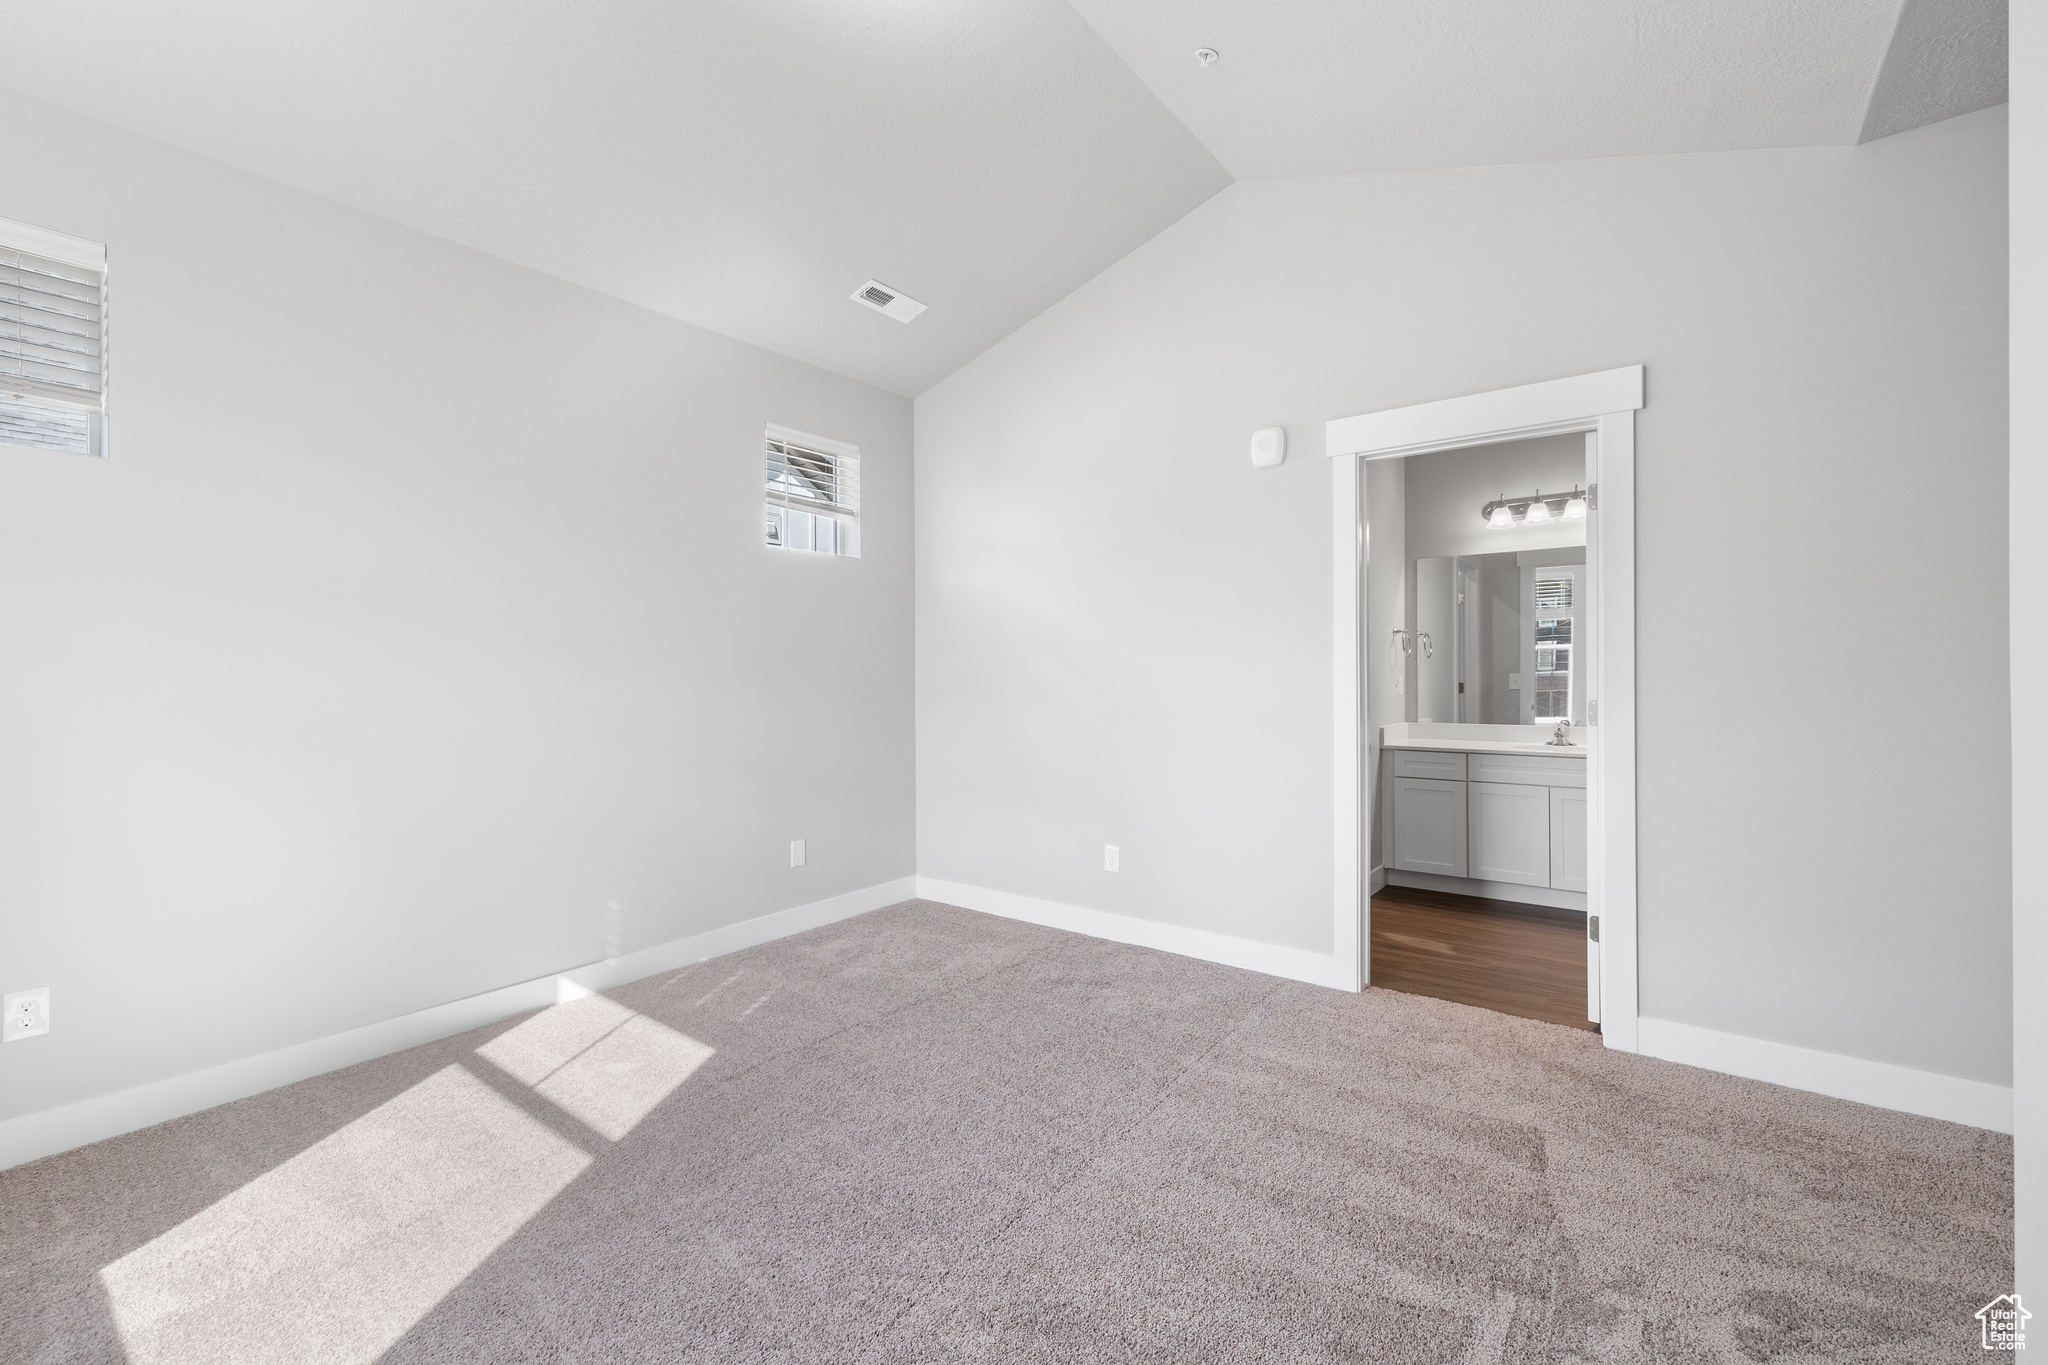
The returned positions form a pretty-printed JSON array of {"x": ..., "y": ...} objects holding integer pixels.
[
  {"x": 746, "y": 164},
  {"x": 1323, "y": 87}
]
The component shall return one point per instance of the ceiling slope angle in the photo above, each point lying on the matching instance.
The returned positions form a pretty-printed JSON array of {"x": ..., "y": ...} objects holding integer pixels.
[
  {"x": 740, "y": 164},
  {"x": 1334, "y": 87},
  {"x": 1947, "y": 57}
]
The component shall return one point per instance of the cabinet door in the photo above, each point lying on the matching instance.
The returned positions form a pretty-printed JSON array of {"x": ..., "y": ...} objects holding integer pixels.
[
  {"x": 1429, "y": 826},
  {"x": 1510, "y": 833},
  {"x": 1568, "y": 838}
]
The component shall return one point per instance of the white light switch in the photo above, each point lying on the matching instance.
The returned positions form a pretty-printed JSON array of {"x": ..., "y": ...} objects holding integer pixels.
[
  {"x": 1111, "y": 857},
  {"x": 27, "y": 1014},
  {"x": 796, "y": 853}
]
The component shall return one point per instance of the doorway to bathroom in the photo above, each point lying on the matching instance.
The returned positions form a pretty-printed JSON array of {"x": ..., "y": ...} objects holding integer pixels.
[
  {"x": 1485, "y": 698},
  {"x": 1476, "y": 734}
]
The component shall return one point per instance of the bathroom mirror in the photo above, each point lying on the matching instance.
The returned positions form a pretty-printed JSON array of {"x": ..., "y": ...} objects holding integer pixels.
[{"x": 1501, "y": 639}]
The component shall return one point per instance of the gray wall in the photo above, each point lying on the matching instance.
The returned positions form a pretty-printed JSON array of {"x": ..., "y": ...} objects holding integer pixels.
[
  {"x": 1124, "y": 633},
  {"x": 420, "y": 611}
]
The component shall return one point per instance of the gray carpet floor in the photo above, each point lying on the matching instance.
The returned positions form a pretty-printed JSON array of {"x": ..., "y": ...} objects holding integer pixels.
[{"x": 931, "y": 1135}]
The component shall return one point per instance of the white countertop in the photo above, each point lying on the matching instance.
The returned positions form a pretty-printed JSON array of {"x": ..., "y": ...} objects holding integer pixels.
[
  {"x": 1483, "y": 746},
  {"x": 1484, "y": 739}
]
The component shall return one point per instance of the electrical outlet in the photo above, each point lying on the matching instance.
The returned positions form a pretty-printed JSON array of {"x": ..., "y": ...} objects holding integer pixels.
[
  {"x": 27, "y": 1014},
  {"x": 1112, "y": 858},
  {"x": 796, "y": 853}
]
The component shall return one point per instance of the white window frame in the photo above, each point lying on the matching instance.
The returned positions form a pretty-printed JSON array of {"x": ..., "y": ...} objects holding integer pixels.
[
  {"x": 74, "y": 251},
  {"x": 846, "y": 522}
]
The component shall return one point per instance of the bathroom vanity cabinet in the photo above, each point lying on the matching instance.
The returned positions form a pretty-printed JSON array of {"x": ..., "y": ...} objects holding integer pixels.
[{"x": 1518, "y": 819}]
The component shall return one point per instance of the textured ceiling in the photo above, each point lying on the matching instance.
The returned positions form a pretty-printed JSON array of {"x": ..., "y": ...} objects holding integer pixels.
[
  {"x": 1947, "y": 57},
  {"x": 742, "y": 164},
  {"x": 746, "y": 164},
  {"x": 1330, "y": 87}
]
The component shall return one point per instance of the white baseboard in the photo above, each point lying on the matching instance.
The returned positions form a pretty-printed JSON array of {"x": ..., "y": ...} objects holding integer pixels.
[
  {"x": 1321, "y": 969},
  {"x": 1976, "y": 1103},
  {"x": 1493, "y": 891},
  {"x": 31, "y": 1136},
  {"x": 1377, "y": 882},
  {"x": 73, "y": 1125},
  {"x": 666, "y": 957}
]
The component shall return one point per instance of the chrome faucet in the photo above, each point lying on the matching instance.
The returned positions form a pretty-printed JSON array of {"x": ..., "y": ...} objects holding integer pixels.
[{"x": 1562, "y": 735}]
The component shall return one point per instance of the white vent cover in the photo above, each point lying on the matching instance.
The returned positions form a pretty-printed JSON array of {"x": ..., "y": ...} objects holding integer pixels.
[{"x": 888, "y": 302}]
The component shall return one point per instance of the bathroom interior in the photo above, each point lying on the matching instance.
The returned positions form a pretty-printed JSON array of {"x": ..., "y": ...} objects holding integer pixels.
[{"x": 1479, "y": 645}]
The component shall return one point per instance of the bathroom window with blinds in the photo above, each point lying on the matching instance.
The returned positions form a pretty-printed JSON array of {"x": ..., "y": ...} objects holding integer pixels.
[
  {"x": 1554, "y": 614},
  {"x": 1554, "y": 589},
  {"x": 812, "y": 493},
  {"x": 53, "y": 341}
]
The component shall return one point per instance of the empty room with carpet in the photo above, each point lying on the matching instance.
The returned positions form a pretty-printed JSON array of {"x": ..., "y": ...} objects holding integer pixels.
[{"x": 1023, "y": 681}]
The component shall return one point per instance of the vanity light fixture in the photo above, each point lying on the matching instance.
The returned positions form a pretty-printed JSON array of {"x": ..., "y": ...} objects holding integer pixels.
[{"x": 1535, "y": 510}]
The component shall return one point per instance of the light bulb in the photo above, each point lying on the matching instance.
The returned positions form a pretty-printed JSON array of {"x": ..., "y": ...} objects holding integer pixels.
[
  {"x": 1501, "y": 519},
  {"x": 1538, "y": 513},
  {"x": 1575, "y": 510}
]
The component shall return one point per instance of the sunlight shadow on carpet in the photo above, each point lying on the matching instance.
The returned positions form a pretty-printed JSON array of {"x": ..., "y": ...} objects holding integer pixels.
[
  {"x": 598, "y": 1060},
  {"x": 334, "y": 1254}
]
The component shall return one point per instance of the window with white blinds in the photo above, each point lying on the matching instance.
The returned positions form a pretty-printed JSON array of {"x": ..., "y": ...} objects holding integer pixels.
[
  {"x": 1554, "y": 589},
  {"x": 812, "y": 493},
  {"x": 1554, "y": 672},
  {"x": 53, "y": 341}
]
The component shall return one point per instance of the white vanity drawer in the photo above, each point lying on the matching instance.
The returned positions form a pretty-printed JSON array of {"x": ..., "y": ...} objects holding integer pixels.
[
  {"x": 1429, "y": 763},
  {"x": 1529, "y": 770}
]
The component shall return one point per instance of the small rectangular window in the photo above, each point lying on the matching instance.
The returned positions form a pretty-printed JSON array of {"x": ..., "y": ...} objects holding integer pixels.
[
  {"x": 1553, "y": 592},
  {"x": 53, "y": 340},
  {"x": 812, "y": 493}
]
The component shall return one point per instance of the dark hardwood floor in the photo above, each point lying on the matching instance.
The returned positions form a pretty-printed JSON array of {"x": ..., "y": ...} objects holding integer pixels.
[{"x": 1500, "y": 955}]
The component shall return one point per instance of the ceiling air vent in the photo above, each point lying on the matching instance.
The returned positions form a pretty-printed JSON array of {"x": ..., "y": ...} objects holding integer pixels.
[{"x": 887, "y": 301}]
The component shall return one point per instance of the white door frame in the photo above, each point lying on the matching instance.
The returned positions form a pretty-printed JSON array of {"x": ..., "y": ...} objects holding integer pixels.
[{"x": 1603, "y": 406}]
